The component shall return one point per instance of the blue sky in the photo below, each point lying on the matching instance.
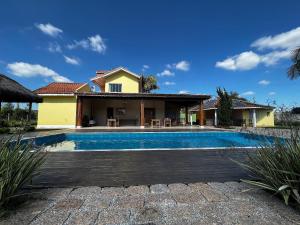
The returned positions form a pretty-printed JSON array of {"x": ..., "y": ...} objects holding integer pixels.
[{"x": 191, "y": 46}]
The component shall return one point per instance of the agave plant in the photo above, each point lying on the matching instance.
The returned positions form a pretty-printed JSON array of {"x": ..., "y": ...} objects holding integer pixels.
[
  {"x": 276, "y": 168},
  {"x": 19, "y": 162}
]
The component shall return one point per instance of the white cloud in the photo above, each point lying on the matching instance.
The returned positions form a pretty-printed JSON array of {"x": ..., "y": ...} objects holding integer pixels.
[
  {"x": 286, "y": 40},
  {"x": 183, "y": 65},
  {"x": 274, "y": 56},
  {"x": 247, "y": 93},
  {"x": 27, "y": 70},
  {"x": 272, "y": 93},
  {"x": 145, "y": 67},
  {"x": 249, "y": 60},
  {"x": 168, "y": 83},
  {"x": 183, "y": 92},
  {"x": 166, "y": 73},
  {"x": 72, "y": 60},
  {"x": 264, "y": 82},
  {"x": 49, "y": 29},
  {"x": 281, "y": 46},
  {"x": 244, "y": 61},
  {"x": 54, "y": 47},
  {"x": 94, "y": 43}
]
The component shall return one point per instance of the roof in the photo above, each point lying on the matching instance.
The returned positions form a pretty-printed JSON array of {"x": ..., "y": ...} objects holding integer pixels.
[
  {"x": 59, "y": 88},
  {"x": 236, "y": 104},
  {"x": 107, "y": 73},
  {"x": 183, "y": 97},
  {"x": 12, "y": 91}
]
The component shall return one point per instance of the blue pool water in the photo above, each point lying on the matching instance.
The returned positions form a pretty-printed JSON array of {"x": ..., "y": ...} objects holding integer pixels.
[{"x": 148, "y": 141}]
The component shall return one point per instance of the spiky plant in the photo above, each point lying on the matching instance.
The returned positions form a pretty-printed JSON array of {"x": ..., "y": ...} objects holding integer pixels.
[
  {"x": 276, "y": 166},
  {"x": 19, "y": 162}
]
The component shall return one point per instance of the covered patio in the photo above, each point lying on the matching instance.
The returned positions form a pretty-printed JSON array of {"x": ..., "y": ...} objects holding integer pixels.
[{"x": 136, "y": 110}]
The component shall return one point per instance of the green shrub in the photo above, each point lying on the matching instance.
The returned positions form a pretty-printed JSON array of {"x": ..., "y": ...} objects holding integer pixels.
[
  {"x": 4, "y": 130},
  {"x": 19, "y": 162},
  {"x": 29, "y": 128},
  {"x": 277, "y": 168}
]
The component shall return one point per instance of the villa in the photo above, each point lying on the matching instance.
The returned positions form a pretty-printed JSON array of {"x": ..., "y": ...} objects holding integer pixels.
[{"x": 120, "y": 101}]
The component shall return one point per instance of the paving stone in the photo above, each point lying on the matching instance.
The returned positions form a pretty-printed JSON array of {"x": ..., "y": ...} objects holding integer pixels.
[
  {"x": 137, "y": 190},
  {"x": 128, "y": 202},
  {"x": 159, "y": 188},
  {"x": 68, "y": 204},
  {"x": 162, "y": 200},
  {"x": 178, "y": 188},
  {"x": 86, "y": 192},
  {"x": 147, "y": 215},
  {"x": 189, "y": 198},
  {"x": 113, "y": 217},
  {"x": 97, "y": 204},
  {"x": 208, "y": 192},
  {"x": 56, "y": 193},
  {"x": 51, "y": 217},
  {"x": 82, "y": 218},
  {"x": 112, "y": 191}
]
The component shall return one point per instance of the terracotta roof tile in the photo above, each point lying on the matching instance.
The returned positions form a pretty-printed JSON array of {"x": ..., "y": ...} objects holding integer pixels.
[{"x": 59, "y": 88}]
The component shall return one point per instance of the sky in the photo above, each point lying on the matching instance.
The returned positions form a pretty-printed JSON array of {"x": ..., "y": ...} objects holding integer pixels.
[{"x": 191, "y": 46}]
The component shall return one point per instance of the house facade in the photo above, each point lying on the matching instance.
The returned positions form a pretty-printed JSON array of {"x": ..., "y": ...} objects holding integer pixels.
[
  {"x": 244, "y": 113},
  {"x": 120, "y": 99}
]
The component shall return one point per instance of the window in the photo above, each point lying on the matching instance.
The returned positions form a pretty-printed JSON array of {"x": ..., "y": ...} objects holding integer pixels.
[{"x": 115, "y": 87}]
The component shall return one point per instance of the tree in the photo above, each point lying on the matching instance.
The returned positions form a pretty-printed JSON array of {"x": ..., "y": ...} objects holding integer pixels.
[
  {"x": 236, "y": 95},
  {"x": 149, "y": 83},
  {"x": 294, "y": 70},
  {"x": 224, "y": 111}
]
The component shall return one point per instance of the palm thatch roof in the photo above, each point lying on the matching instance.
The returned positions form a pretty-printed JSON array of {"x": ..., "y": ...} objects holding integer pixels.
[{"x": 12, "y": 91}]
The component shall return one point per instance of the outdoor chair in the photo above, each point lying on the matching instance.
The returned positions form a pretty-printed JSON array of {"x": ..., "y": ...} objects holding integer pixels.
[
  {"x": 155, "y": 123},
  {"x": 167, "y": 122}
]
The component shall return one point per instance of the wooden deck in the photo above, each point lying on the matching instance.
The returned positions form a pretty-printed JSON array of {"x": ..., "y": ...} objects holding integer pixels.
[{"x": 64, "y": 169}]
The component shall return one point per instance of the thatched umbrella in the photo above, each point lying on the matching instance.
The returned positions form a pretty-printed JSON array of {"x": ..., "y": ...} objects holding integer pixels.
[{"x": 12, "y": 91}]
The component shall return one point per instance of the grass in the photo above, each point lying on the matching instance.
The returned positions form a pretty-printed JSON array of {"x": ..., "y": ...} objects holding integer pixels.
[{"x": 18, "y": 165}]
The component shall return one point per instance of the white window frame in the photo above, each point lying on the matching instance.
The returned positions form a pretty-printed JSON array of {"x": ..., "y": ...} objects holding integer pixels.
[{"x": 111, "y": 84}]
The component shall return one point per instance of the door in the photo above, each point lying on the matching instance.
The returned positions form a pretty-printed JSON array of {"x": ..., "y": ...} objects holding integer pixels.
[
  {"x": 149, "y": 115},
  {"x": 110, "y": 113}
]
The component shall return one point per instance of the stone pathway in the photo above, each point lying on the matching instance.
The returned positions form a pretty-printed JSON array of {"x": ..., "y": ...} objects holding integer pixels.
[{"x": 199, "y": 203}]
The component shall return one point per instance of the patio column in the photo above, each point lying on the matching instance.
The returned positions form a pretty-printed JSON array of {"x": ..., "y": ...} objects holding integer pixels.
[
  {"x": 186, "y": 115},
  {"x": 29, "y": 111},
  {"x": 79, "y": 112},
  {"x": 216, "y": 117},
  {"x": 142, "y": 114},
  {"x": 254, "y": 117},
  {"x": 201, "y": 114}
]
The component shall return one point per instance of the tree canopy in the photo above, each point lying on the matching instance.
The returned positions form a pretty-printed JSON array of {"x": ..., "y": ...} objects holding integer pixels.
[
  {"x": 294, "y": 70},
  {"x": 149, "y": 83},
  {"x": 224, "y": 111}
]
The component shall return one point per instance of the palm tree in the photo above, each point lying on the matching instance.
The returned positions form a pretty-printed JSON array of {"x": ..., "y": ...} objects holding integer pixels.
[{"x": 294, "y": 70}]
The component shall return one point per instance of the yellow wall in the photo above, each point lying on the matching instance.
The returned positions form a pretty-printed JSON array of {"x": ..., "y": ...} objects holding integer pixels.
[
  {"x": 85, "y": 88},
  {"x": 263, "y": 119},
  {"x": 57, "y": 111},
  {"x": 130, "y": 83}
]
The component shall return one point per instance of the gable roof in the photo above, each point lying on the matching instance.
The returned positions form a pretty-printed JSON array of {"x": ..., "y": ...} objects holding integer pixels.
[
  {"x": 12, "y": 91},
  {"x": 60, "y": 88},
  {"x": 236, "y": 104},
  {"x": 107, "y": 73}
]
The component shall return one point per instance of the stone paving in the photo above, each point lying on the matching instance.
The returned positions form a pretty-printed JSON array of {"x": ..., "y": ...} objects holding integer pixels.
[{"x": 198, "y": 203}]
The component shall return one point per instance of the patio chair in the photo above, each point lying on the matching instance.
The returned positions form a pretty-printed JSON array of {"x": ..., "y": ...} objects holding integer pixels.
[
  {"x": 167, "y": 122},
  {"x": 155, "y": 123},
  {"x": 111, "y": 122}
]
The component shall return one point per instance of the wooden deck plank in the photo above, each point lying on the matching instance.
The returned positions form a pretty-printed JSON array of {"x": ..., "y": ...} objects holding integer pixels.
[{"x": 140, "y": 167}]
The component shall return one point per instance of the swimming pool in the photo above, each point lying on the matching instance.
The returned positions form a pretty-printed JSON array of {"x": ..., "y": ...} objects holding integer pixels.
[{"x": 120, "y": 141}]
